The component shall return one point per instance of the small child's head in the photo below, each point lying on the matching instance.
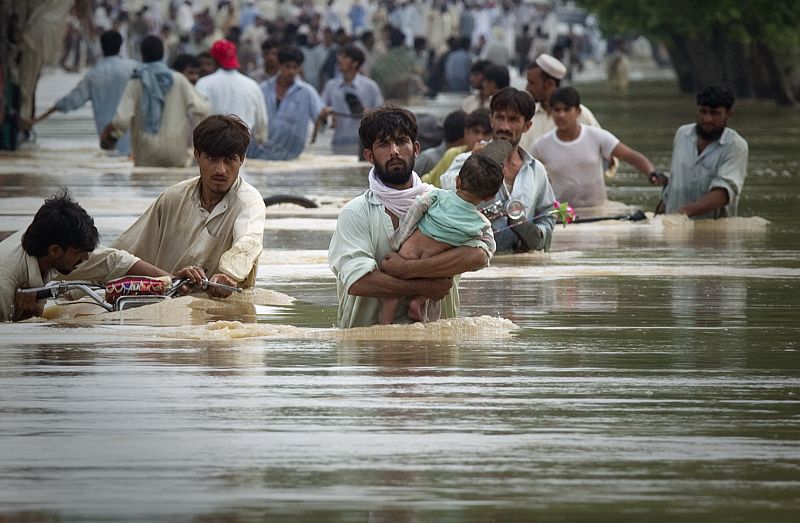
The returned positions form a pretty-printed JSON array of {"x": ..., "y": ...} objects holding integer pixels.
[{"x": 480, "y": 176}]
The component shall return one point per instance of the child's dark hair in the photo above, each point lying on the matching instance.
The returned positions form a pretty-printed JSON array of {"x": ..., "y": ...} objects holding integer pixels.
[
  {"x": 566, "y": 95},
  {"x": 387, "y": 122},
  {"x": 60, "y": 221},
  {"x": 716, "y": 96},
  {"x": 222, "y": 135},
  {"x": 481, "y": 176}
]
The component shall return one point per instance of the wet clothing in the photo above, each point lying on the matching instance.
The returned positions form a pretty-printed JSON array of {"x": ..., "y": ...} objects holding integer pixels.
[
  {"x": 543, "y": 123},
  {"x": 183, "y": 108},
  {"x": 103, "y": 84},
  {"x": 175, "y": 231},
  {"x": 288, "y": 120},
  {"x": 531, "y": 188},
  {"x": 445, "y": 217},
  {"x": 722, "y": 164},
  {"x": 345, "y": 135},
  {"x": 575, "y": 168},
  {"x": 19, "y": 269},
  {"x": 231, "y": 92},
  {"x": 361, "y": 240}
]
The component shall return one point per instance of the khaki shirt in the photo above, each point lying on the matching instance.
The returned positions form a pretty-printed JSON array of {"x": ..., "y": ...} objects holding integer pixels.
[
  {"x": 18, "y": 269},
  {"x": 175, "y": 231}
]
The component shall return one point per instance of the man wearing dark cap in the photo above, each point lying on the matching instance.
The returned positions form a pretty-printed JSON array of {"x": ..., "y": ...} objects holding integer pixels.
[
  {"x": 544, "y": 77},
  {"x": 709, "y": 161},
  {"x": 231, "y": 92}
]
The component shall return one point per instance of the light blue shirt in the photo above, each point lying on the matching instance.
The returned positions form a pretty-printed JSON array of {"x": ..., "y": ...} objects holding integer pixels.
[
  {"x": 288, "y": 121},
  {"x": 346, "y": 131},
  {"x": 722, "y": 164},
  {"x": 103, "y": 84},
  {"x": 531, "y": 188}
]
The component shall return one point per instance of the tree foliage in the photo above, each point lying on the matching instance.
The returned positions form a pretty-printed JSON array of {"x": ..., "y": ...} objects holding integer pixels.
[{"x": 754, "y": 45}]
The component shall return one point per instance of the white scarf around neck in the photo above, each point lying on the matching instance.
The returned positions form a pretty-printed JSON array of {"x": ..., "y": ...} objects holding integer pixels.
[{"x": 397, "y": 201}]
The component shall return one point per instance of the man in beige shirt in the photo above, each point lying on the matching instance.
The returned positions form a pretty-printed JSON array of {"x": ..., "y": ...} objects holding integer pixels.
[
  {"x": 214, "y": 222},
  {"x": 60, "y": 243},
  {"x": 161, "y": 106}
]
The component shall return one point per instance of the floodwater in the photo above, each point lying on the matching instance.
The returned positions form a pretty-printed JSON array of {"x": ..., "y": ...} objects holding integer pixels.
[{"x": 639, "y": 371}]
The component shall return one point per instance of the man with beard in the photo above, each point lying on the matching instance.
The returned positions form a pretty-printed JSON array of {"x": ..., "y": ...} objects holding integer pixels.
[
  {"x": 61, "y": 238},
  {"x": 524, "y": 178},
  {"x": 360, "y": 254},
  {"x": 709, "y": 161}
]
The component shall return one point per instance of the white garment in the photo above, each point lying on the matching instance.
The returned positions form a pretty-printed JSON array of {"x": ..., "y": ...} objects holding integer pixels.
[
  {"x": 231, "y": 92},
  {"x": 543, "y": 123},
  {"x": 397, "y": 201},
  {"x": 575, "y": 168}
]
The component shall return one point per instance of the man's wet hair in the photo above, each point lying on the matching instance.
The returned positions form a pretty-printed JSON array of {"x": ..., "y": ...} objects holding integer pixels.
[
  {"x": 512, "y": 99},
  {"x": 716, "y": 96},
  {"x": 184, "y": 61},
  {"x": 387, "y": 122},
  {"x": 222, "y": 135},
  {"x": 479, "y": 66},
  {"x": 479, "y": 118},
  {"x": 566, "y": 95},
  {"x": 60, "y": 221},
  {"x": 110, "y": 42},
  {"x": 497, "y": 74},
  {"x": 481, "y": 176},
  {"x": 290, "y": 53},
  {"x": 152, "y": 49},
  {"x": 453, "y": 126},
  {"x": 354, "y": 53}
]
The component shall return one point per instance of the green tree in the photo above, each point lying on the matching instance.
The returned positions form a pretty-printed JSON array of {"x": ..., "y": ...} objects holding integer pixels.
[{"x": 753, "y": 45}]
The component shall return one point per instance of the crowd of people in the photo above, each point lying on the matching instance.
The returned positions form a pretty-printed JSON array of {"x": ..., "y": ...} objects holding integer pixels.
[{"x": 398, "y": 248}]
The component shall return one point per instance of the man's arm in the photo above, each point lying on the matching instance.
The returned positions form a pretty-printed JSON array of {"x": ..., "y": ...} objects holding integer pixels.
[
  {"x": 236, "y": 263},
  {"x": 444, "y": 265},
  {"x": 378, "y": 284},
  {"x": 713, "y": 200},
  {"x": 633, "y": 157}
]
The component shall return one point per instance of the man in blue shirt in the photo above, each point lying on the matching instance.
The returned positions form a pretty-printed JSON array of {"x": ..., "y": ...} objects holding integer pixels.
[
  {"x": 103, "y": 85},
  {"x": 347, "y": 98},
  {"x": 291, "y": 105}
]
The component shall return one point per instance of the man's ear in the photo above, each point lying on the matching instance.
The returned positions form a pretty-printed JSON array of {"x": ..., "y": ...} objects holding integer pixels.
[
  {"x": 54, "y": 250},
  {"x": 527, "y": 126},
  {"x": 368, "y": 156},
  {"x": 417, "y": 148},
  {"x": 196, "y": 155}
]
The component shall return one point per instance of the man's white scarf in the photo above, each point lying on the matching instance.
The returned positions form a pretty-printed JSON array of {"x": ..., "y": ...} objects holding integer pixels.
[{"x": 397, "y": 201}]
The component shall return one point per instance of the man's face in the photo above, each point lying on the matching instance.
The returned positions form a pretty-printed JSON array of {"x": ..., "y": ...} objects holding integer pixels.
[
  {"x": 565, "y": 118},
  {"x": 270, "y": 60},
  {"x": 393, "y": 158},
  {"x": 475, "y": 134},
  {"x": 537, "y": 86},
  {"x": 289, "y": 71},
  {"x": 66, "y": 260},
  {"x": 508, "y": 125},
  {"x": 475, "y": 79},
  {"x": 217, "y": 174},
  {"x": 207, "y": 66},
  {"x": 711, "y": 121},
  {"x": 192, "y": 74},
  {"x": 346, "y": 64}
]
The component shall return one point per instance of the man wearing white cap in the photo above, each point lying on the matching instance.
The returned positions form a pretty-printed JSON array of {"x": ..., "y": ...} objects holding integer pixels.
[{"x": 544, "y": 76}]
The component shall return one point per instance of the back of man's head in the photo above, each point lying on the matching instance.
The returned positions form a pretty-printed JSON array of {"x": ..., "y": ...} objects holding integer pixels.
[
  {"x": 110, "y": 42},
  {"x": 453, "y": 126},
  {"x": 152, "y": 49},
  {"x": 221, "y": 136},
  {"x": 60, "y": 221},
  {"x": 290, "y": 53},
  {"x": 481, "y": 176},
  {"x": 716, "y": 96},
  {"x": 512, "y": 99},
  {"x": 568, "y": 96},
  {"x": 387, "y": 122},
  {"x": 497, "y": 74}
]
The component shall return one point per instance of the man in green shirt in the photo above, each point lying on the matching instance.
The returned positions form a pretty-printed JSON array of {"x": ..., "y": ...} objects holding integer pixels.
[{"x": 360, "y": 254}]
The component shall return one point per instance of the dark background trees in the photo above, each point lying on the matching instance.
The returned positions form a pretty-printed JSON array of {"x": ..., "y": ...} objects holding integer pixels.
[{"x": 752, "y": 45}]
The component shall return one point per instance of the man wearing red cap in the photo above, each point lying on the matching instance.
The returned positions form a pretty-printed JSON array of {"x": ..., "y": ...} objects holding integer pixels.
[{"x": 231, "y": 92}]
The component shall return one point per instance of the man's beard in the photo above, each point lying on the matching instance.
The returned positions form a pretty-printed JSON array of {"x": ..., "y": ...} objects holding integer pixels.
[
  {"x": 395, "y": 175},
  {"x": 710, "y": 136}
]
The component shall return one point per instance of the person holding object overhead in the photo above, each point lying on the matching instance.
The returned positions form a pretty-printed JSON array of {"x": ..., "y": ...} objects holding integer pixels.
[
  {"x": 709, "y": 161},
  {"x": 573, "y": 154}
]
